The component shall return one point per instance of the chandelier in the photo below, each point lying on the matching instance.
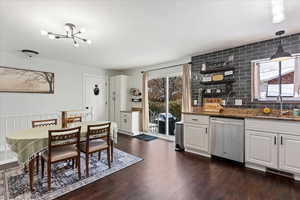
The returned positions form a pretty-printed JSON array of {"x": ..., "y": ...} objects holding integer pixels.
[{"x": 71, "y": 33}]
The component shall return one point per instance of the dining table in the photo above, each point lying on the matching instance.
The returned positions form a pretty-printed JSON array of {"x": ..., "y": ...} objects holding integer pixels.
[{"x": 28, "y": 143}]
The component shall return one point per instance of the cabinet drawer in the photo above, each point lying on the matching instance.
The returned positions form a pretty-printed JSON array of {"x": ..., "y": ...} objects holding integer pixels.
[
  {"x": 274, "y": 126},
  {"x": 196, "y": 119}
]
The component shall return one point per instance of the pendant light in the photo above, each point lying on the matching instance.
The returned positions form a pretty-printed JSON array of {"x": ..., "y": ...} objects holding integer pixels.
[{"x": 280, "y": 54}]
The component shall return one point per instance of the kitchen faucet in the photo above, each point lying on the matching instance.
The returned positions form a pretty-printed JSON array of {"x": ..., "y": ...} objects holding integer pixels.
[{"x": 280, "y": 100}]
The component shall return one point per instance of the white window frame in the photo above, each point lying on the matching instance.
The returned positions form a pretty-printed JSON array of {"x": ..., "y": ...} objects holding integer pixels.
[{"x": 255, "y": 96}]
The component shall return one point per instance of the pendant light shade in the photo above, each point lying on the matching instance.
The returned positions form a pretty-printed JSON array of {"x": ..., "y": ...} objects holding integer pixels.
[{"x": 280, "y": 54}]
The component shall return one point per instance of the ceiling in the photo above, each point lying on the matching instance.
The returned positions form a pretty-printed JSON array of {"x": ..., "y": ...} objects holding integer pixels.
[{"x": 134, "y": 33}]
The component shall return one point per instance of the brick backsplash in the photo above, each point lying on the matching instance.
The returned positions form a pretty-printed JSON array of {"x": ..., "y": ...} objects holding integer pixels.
[{"x": 243, "y": 55}]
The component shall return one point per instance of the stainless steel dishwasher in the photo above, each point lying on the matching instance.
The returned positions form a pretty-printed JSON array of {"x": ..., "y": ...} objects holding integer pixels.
[{"x": 227, "y": 138}]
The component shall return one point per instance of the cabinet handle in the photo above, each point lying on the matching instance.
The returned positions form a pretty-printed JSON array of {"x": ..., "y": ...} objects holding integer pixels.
[
  {"x": 195, "y": 119},
  {"x": 206, "y": 130},
  {"x": 281, "y": 140},
  {"x": 275, "y": 139}
]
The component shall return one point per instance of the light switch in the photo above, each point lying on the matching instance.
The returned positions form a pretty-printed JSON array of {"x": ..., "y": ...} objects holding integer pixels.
[{"x": 238, "y": 102}]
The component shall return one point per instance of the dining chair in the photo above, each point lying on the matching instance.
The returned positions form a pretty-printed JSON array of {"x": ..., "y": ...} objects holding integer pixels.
[
  {"x": 44, "y": 123},
  {"x": 74, "y": 119},
  {"x": 97, "y": 140},
  {"x": 63, "y": 145},
  {"x": 40, "y": 124}
]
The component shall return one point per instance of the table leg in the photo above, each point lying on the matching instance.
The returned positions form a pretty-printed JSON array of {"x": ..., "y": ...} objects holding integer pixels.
[
  {"x": 31, "y": 170},
  {"x": 112, "y": 150}
]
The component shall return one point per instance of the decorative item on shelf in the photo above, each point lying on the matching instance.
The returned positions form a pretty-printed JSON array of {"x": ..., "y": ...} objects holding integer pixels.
[
  {"x": 136, "y": 95},
  {"x": 203, "y": 67},
  {"x": 71, "y": 33},
  {"x": 266, "y": 110},
  {"x": 212, "y": 107},
  {"x": 295, "y": 112},
  {"x": 136, "y": 100},
  {"x": 206, "y": 78},
  {"x": 218, "y": 77},
  {"x": 135, "y": 92}
]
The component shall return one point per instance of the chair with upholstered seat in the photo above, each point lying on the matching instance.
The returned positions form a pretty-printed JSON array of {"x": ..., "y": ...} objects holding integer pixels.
[
  {"x": 97, "y": 140},
  {"x": 40, "y": 124},
  {"x": 63, "y": 145}
]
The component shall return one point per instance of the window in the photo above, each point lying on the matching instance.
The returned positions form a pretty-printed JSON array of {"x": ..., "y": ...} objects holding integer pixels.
[{"x": 271, "y": 79}]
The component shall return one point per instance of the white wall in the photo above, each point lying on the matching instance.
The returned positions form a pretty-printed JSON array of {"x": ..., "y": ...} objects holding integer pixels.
[
  {"x": 136, "y": 77},
  {"x": 68, "y": 91}
]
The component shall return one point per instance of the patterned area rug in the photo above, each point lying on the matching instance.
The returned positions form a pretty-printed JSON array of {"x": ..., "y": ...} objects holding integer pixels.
[{"x": 14, "y": 183}]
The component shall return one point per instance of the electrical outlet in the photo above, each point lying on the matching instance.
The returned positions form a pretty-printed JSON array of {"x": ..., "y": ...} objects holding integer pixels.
[
  {"x": 195, "y": 102},
  {"x": 238, "y": 102}
]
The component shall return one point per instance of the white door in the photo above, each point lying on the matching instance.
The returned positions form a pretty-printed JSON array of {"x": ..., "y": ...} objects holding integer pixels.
[
  {"x": 196, "y": 137},
  {"x": 289, "y": 151},
  {"x": 94, "y": 102},
  {"x": 261, "y": 148}
]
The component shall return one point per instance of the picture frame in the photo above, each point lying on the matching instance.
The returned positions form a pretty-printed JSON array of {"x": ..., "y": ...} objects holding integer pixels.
[{"x": 17, "y": 80}]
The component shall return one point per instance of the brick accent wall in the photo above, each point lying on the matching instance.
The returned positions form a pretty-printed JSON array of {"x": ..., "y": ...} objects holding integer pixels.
[{"x": 243, "y": 55}]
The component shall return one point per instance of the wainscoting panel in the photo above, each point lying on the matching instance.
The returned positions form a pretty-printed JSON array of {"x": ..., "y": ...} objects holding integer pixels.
[{"x": 11, "y": 123}]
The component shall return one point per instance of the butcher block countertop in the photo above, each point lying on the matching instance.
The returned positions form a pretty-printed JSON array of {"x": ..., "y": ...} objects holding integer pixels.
[{"x": 245, "y": 113}]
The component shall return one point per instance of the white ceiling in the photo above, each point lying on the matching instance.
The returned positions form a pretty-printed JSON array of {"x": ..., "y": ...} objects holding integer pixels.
[{"x": 133, "y": 33}]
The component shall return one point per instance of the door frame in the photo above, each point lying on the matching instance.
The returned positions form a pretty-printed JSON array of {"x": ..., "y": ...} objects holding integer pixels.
[{"x": 105, "y": 78}]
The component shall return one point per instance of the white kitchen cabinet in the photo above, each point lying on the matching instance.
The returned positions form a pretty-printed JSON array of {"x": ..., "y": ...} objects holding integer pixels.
[
  {"x": 273, "y": 144},
  {"x": 196, "y": 137},
  {"x": 130, "y": 122},
  {"x": 261, "y": 148},
  {"x": 289, "y": 151},
  {"x": 196, "y": 134}
]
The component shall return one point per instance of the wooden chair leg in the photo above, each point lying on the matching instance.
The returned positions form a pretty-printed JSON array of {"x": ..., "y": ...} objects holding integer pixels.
[
  {"x": 87, "y": 164},
  {"x": 43, "y": 166},
  {"x": 49, "y": 175},
  {"x": 112, "y": 150},
  {"x": 73, "y": 163},
  {"x": 31, "y": 166},
  {"x": 79, "y": 168},
  {"x": 108, "y": 157},
  {"x": 37, "y": 163},
  {"x": 99, "y": 155}
]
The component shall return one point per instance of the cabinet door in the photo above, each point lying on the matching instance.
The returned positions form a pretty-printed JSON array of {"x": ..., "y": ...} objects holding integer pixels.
[
  {"x": 126, "y": 122},
  {"x": 196, "y": 137},
  {"x": 262, "y": 148},
  {"x": 289, "y": 151}
]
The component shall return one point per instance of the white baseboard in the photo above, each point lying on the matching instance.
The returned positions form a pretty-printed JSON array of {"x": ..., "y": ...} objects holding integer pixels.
[
  {"x": 256, "y": 167},
  {"x": 205, "y": 154}
]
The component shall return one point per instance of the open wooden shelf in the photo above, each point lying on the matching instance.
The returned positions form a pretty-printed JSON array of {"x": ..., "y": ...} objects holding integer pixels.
[
  {"x": 217, "y": 82},
  {"x": 218, "y": 69}
]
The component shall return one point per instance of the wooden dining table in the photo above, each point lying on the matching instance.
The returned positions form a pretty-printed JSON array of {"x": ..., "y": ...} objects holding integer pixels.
[{"x": 28, "y": 143}]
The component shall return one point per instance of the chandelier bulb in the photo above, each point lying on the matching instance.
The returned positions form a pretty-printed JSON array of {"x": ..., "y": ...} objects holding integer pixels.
[
  {"x": 82, "y": 30},
  {"x": 43, "y": 32},
  {"x": 76, "y": 44},
  {"x": 51, "y": 36}
]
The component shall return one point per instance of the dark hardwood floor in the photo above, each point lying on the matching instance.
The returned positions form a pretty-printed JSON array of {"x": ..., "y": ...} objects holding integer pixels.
[{"x": 166, "y": 174}]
